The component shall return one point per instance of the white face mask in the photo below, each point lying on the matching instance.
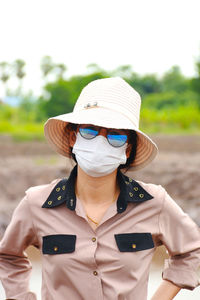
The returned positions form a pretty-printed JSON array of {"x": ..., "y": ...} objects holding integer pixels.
[{"x": 97, "y": 157}]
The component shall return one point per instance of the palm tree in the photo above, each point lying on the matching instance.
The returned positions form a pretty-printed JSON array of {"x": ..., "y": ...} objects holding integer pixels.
[
  {"x": 60, "y": 70},
  {"x": 5, "y": 73},
  {"x": 18, "y": 67},
  {"x": 46, "y": 66}
]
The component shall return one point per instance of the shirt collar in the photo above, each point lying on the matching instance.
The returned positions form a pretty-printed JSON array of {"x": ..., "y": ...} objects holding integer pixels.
[{"x": 64, "y": 192}]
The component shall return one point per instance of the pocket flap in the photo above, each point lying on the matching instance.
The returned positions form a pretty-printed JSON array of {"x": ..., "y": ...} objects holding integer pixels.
[
  {"x": 58, "y": 243},
  {"x": 132, "y": 242}
]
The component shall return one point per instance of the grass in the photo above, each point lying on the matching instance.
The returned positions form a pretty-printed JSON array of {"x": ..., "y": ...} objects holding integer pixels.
[
  {"x": 183, "y": 120},
  {"x": 22, "y": 131}
]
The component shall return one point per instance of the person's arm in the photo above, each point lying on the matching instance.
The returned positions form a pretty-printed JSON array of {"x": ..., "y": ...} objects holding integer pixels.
[
  {"x": 15, "y": 267},
  {"x": 166, "y": 291},
  {"x": 181, "y": 237}
]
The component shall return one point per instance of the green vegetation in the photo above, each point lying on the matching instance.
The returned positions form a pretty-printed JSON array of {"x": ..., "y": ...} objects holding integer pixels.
[{"x": 170, "y": 104}]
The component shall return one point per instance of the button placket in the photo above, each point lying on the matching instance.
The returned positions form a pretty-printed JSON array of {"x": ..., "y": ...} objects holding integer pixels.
[{"x": 94, "y": 249}]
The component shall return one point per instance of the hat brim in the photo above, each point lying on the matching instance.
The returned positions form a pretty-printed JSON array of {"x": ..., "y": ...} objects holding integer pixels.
[{"x": 56, "y": 135}]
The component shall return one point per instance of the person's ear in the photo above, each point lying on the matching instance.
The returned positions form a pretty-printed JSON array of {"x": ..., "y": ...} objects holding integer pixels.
[
  {"x": 72, "y": 138},
  {"x": 128, "y": 150}
]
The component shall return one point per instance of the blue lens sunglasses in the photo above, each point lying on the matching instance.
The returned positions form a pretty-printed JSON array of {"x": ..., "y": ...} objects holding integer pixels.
[{"x": 114, "y": 138}]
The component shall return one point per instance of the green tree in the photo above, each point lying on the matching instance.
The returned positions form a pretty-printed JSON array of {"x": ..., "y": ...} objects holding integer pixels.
[
  {"x": 60, "y": 96},
  {"x": 170, "y": 99},
  {"x": 173, "y": 80},
  {"x": 56, "y": 99},
  {"x": 124, "y": 71},
  {"x": 5, "y": 73},
  {"x": 142, "y": 84},
  {"x": 149, "y": 84},
  {"x": 94, "y": 68},
  {"x": 195, "y": 81},
  {"x": 18, "y": 67},
  {"x": 60, "y": 70}
]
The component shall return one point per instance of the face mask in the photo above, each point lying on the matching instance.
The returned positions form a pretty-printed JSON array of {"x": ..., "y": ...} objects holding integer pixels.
[{"x": 97, "y": 157}]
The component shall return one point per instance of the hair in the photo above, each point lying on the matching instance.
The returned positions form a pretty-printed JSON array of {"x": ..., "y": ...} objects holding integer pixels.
[
  {"x": 133, "y": 142},
  {"x": 132, "y": 139}
]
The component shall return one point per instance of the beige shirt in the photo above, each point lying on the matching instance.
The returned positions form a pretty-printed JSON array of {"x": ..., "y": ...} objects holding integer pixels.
[{"x": 111, "y": 262}]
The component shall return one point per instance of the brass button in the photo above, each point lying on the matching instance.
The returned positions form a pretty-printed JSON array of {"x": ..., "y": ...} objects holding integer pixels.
[
  {"x": 141, "y": 195},
  {"x": 55, "y": 248},
  {"x": 130, "y": 180},
  {"x": 133, "y": 246},
  {"x": 59, "y": 197},
  {"x": 57, "y": 189},
  {"x": 95, "y": 273},
  {"x": 63, "y": 187},
  {"x": 135, "y": 188},
  {"x": 131, "y": 194},
  {"x": 49, "y": 202},
  {"x": 94, "y": 239},
  {"x": 127, "y": 182}
]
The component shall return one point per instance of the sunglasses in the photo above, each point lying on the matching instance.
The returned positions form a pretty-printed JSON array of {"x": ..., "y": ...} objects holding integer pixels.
[{"x": 115, "y": 138}]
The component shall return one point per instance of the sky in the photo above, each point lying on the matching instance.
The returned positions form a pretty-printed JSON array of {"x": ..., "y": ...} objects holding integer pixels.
[{"x": 149, "y": 35}]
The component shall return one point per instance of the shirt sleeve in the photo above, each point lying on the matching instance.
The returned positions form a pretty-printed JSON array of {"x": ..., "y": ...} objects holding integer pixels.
[
  {"x": 181, "y": 236},
  {"x": 15, "y": 267}
]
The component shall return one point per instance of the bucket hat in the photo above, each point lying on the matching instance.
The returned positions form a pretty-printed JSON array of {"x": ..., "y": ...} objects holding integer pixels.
[{"x": 111, "y": 103}]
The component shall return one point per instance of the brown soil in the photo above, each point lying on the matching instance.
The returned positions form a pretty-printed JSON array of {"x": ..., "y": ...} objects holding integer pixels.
[{"x": 177, "y": 168}]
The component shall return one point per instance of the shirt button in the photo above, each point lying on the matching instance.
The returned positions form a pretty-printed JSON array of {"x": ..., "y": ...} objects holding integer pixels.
[
  {"x": 94, "y": 239},
  {"x": 95, "y": 273}
]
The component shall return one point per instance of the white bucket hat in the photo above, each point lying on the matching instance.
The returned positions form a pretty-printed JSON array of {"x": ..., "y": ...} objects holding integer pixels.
[{"x": 109, "y": 102}]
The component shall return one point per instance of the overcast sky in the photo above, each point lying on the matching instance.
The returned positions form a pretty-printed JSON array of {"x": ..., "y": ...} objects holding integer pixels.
[{"x": 150, "y": 35}]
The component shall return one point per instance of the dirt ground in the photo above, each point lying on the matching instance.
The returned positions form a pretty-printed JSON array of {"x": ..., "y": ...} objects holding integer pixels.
[{"x": 176, "y": 167}]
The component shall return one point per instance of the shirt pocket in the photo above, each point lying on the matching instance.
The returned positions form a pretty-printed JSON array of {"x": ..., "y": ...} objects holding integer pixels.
[
  {"x": 58, "y": 244},
  {"x": 132, "y": 242}
]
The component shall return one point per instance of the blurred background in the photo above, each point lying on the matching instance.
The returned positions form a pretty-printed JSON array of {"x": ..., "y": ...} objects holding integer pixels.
[{"x": 49, "y": 50}]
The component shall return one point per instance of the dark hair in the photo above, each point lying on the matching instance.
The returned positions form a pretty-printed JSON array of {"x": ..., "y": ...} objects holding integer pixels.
[
  {"x": 71, "y": 127},
  {"x": 131, "y": 140}
]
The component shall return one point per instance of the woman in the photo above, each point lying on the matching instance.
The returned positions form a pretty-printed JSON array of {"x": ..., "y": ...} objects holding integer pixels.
[{"x": 97, "y": 230}]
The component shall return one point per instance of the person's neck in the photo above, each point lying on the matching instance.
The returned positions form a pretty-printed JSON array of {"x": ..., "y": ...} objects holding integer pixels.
[{"x": 96, "y": 190}]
